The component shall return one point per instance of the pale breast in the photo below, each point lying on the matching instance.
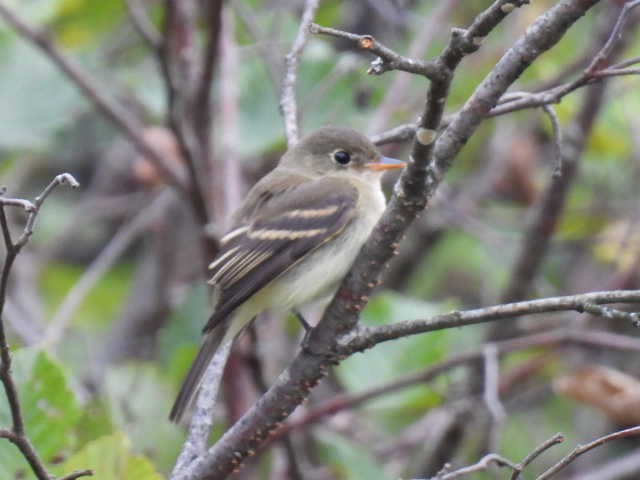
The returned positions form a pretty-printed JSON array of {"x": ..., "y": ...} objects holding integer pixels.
[{"x": 319, "y": 274}]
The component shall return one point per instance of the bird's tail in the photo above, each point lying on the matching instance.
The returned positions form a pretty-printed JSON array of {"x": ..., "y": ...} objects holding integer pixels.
[{"x": 188, "y": 392}]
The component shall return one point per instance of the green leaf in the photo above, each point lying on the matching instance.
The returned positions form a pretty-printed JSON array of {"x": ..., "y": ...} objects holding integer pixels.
[
  {"x": 110, "y": 457},
  {"x": 49, "y": 409}
]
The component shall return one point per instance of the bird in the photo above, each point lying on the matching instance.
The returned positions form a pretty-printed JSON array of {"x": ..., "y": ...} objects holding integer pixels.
[{"x": 293, "y": 239}]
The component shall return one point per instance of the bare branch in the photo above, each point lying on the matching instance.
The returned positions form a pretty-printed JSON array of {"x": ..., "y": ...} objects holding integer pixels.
[
  {"x": 555, "y": 440},
  {"x": 62, "y": 179},
  {"x": 622, "y": 466},
  {"x": 17, "y": 435},
  {"x": 626, "y": 63},
  {"x": 616, "y": 72},
  {"x": 483, "y": 464},
  {"x": 400, "y": 133},
  {"x": 604, "y": 55},
  {"x": 288, "y": 103},
  {"x": 582, "y": 449},
  {"x": 366, "y": 337},
  {"x": 78, "y": 474},
  {"x": 386, "y": 59}
]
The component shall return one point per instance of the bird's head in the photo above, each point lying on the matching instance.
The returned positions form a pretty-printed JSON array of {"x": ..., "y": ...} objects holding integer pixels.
[{"x": 338, "y": 151}]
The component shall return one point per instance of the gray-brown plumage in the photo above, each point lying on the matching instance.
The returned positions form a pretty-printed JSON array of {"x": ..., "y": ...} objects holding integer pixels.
[{"x": 293, "y": 239}]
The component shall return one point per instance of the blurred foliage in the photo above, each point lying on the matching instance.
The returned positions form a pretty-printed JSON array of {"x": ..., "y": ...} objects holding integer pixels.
[{"x": 114, "y": 420}]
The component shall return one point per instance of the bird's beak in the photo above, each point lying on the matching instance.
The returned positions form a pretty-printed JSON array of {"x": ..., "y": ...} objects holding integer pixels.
[{"x": 385, "y": 163}]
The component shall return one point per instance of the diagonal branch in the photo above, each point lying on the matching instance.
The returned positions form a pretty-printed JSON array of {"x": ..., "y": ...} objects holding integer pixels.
[{"x": 582, "y": 449}]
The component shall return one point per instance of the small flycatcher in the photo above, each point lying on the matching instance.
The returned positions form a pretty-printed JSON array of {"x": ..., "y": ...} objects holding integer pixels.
[{"x": 294, "y": 238}]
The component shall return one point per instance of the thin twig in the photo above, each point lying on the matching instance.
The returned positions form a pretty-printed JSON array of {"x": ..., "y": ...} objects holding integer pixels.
[
  {"x": 367, "y": 337},
  {"x": 604, "y": 55},
  {"x": 203, "y": 112},
  {"x": 288, "y": 103},
  {"x": 626, "y": 63},
  {"x": 400, "y": 133},
  {"x": 612, "y": 313},
  {"x": 78, "y": 474},
  {"x": 539, "y": 450},
  {"x": 582, "y": 449},
  {"x": 616, "y": 72},
  {"x": 483, "y": 464},
  {"x": 17, "y": 435},
  {"x": 622, "y": 466},
  {"x": 386, "y": 59},
  {"x": 62, "y": 179}
]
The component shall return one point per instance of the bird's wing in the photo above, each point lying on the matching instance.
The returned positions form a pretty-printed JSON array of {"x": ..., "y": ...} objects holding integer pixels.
[{"x": 279, "y": 234}]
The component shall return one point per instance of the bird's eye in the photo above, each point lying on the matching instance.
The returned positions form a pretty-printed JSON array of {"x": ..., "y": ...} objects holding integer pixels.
[{"x": 342, "y": 157}]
